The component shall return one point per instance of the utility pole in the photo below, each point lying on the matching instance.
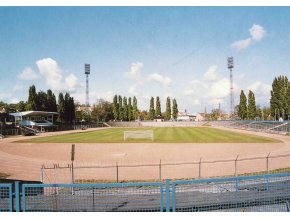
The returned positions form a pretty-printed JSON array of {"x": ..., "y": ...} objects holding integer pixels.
[
  {"x": 232, "y": 104},
  {"x": 87, "y": 72}
]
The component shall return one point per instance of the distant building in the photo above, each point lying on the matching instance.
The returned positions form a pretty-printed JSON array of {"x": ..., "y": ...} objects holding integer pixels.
[
  {"x": 184, "y": 116},
  {"x": 159, "y": 119},
  {"x": 84, "y": 108}
]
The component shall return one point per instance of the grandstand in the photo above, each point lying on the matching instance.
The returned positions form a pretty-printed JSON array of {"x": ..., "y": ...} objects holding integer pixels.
[
  {"x": 260, "y": 126},
  {"x": 31, "y": 122}
]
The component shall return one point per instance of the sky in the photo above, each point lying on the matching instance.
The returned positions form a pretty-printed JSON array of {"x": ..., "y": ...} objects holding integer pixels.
[{"x": 179, "y": 52}]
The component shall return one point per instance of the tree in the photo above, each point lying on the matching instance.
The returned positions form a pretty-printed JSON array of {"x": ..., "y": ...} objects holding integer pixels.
[
  {"x": 20, "y": 106},
  {"x": 32, "y": 99},
  {"x": 144, "y": 115},
  {"x": 135, "y": 108},
  {"x": 115, "y": 108},
  {"x": 168, "y": 109},
  {"x": 103, "y": 111},
  {"x": 251, "y": 106},
  {"x": 51, "y": 101},
  {"x": 125, "y": 109},
  {"x": 66, "y": 107},
  {"x": 279, "y": 99},
  {"x": 214, "y": 114},
  {"x": 242, "y": 108},
  {"x": 69, "y": 108},
  {"x": 60, "y": 107},
  {"x": 42, "y": 103},
  {"x": 174, "y": 109},
  {"x": 151, "y": 109},
  {"x": 120, "y": 108},
  {"x": 158, "y": 107},
  {"x": 130, "y": 109}
]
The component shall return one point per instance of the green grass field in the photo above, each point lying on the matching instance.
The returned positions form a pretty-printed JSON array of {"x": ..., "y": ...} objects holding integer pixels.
[{"x": 161, "y": 135}]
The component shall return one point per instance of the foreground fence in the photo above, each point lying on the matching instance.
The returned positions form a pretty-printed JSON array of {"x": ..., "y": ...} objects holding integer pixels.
[
  {"x": 119, "y": 172},
  {"x": 5, "y": 197},
  {"x": 252, "y": 193}
]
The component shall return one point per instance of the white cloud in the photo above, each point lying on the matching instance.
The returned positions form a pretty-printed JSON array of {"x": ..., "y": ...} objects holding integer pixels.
[
  {"x": 196, "y": 102},
  {"x": 163, "y": 80},
  {"x": 53, "y": 76},
  {"x": 94, "y": 96},
  {"x": 27, "y": 74},
  {"x": 210, "y": 74},
  {"x": 219, "y": 89},
  {"x": 132, "y": 90},
  {"x": 257, "y": 32},
  {"x": 71, "y": 81},
  {"x": 261, "y": 91},
  {"x": 143, "y": 83},
  {"x": 135, "y": 71},
  {"x": 8, "y": 98},
  {"x": 209, "y": 90},
  {"x": 241, "y": 44},
  {"x": 17, "y": 88}
]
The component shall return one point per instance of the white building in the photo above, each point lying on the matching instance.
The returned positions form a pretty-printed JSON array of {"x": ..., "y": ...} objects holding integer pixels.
[{"x": 184, "y": 116}]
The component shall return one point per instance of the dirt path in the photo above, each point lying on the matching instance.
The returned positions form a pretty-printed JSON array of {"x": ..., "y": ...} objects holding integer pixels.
[{"x": 24, "y": 160}]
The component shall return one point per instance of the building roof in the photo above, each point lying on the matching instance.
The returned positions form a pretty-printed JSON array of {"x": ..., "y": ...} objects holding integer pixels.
[{"x": 32, "y": 113}]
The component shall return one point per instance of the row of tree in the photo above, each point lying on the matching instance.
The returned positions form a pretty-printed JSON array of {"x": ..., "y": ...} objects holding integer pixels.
[
  {"x": 123, "y": 108},
  {"x": 42, "y": 101},
  {"x": 247, "y": 108},
  {"x": 280, "y": 98},
  {"x": 66, "y": 108},
  {"x": 279, "y": 103},
  {"x": 156, "y": 112}
]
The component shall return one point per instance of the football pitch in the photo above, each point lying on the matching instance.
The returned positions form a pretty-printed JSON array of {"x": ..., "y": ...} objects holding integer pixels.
[{"x": 161, "y": 135}]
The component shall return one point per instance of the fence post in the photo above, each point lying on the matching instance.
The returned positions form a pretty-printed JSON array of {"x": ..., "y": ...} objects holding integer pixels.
[
  {"x": 236, "y": 165},
  {"x": 199, "y": 170},
  {"x": 17, "y": 197},
  {"x": 237, "y": 184},
  {"x": 42, "y": 173},
  {"x": 117, "y": 171},
  {"x": 167, "y": 195},
  {"x": 160, "y": 170},
  {"x": 267, "y": 162}
]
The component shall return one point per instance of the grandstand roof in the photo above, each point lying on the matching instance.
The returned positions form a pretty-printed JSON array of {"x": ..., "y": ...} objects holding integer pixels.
[{"x": 32, "y": 113}]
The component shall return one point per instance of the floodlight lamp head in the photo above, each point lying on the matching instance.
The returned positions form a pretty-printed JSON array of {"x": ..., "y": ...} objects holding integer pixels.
[
  {"x": 230, "y": 62},
  {"x": 87, "y": 69}
]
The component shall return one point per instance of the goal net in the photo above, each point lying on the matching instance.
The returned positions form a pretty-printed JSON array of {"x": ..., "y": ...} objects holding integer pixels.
[{"x": 141, "y": 134}]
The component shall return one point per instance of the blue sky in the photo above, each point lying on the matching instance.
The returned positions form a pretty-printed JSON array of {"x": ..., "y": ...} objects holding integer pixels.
[{"x": 144, "y": 51}]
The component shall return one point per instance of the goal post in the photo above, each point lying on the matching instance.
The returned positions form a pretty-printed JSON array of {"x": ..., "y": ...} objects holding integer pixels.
[{"x": 140, "y": 134}]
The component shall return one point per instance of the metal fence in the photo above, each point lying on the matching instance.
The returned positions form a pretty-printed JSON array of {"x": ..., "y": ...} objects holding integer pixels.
[
  {"x": 248, "y": 193},
  {"x": 5, "y": 197},
  {"x": 119, "y": 172},
  {"x": 253, "y": 193},
  {"x": 142, "y": 197}
]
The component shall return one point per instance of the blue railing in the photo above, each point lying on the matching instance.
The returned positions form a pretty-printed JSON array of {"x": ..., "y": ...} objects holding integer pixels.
[
  {"x": 246, "y": 193},
  {"x": 6, "y": 197},
  {"x": 141, "y": 197}
]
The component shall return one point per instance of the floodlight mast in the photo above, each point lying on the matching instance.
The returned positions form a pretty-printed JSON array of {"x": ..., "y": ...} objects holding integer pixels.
[
  {"x": 87, "y": 72},
  {"x": 232, "y": 104}
]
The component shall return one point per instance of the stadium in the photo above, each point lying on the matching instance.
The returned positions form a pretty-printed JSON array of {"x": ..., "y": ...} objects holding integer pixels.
[
  {"x": 239, "y": 157},
  {"x": 144, "y": 109}
]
